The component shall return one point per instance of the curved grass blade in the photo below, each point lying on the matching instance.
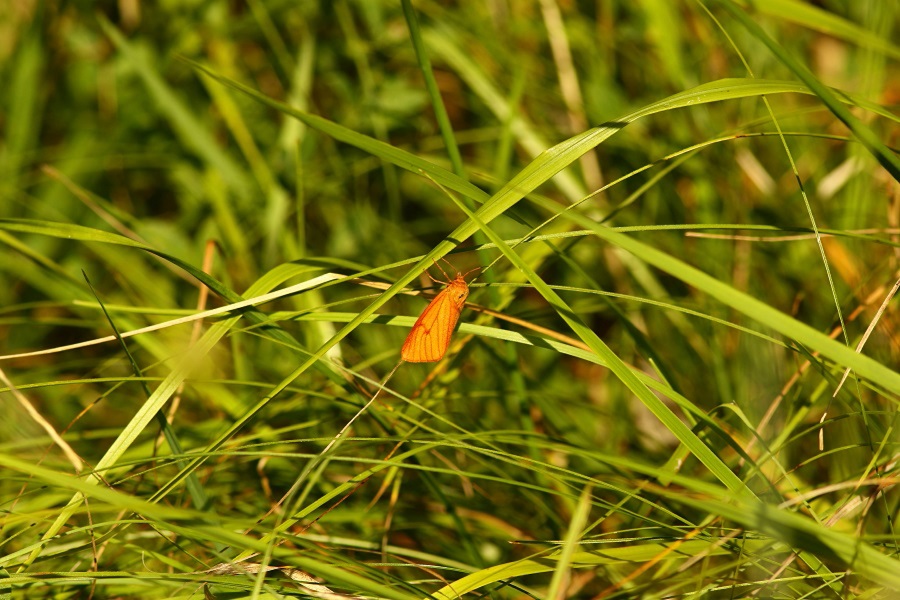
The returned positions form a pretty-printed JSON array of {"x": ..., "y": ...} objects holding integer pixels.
[{"x": 870, "y": 141}]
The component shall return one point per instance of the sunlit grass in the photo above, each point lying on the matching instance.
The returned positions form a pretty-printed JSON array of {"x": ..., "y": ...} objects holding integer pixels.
[{"x": 686, "y": 220}]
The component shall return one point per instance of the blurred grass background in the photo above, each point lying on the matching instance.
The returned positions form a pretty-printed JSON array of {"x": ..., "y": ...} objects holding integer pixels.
[{"x": 506, "y": 470}]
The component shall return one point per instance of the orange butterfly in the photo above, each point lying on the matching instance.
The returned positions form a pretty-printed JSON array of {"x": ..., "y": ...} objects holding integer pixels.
[{"x": 430, "y": 336}]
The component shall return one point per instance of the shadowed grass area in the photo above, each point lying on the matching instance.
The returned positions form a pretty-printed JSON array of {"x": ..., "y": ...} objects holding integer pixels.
[{"x": 675, "y": 375}]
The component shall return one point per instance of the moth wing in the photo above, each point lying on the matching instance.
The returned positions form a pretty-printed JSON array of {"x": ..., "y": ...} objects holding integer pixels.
[{"x": 430, "y": 336}]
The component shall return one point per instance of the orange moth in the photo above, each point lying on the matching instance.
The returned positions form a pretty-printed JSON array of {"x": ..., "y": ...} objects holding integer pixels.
[{"x": 430, "y": 336}]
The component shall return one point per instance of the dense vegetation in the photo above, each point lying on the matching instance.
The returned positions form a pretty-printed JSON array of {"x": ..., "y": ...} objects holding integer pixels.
[{"x": 675, "y": 375}]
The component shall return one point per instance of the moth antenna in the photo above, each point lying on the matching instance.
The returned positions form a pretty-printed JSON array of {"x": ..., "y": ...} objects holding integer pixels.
[
  {"x": 451, "y": 266},
  {"x": 442, "y": 271},
  {"x": 470, "y": 271}
]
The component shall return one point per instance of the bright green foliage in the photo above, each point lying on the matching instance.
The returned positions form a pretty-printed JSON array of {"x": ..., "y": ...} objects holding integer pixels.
[{"x": 687, "y": 218}]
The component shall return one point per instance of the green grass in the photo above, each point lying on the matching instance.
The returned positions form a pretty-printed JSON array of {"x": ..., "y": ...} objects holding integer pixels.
[{"x": 686, "y": 219}]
